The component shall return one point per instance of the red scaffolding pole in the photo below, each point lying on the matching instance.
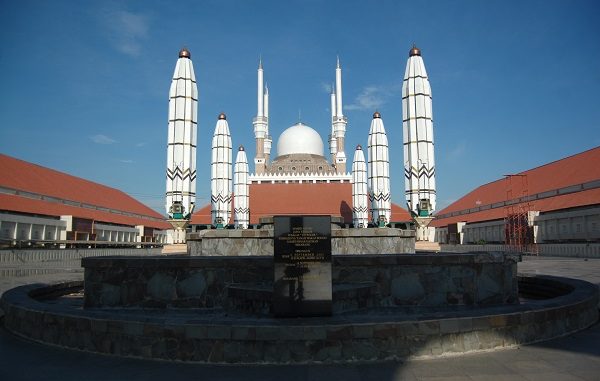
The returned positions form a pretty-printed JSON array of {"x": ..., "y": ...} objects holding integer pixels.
[{"x": 518, "y": 234}]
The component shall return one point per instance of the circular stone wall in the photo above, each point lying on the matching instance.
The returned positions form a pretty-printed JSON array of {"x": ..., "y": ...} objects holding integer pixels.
[{"x": 379, "y": 334}]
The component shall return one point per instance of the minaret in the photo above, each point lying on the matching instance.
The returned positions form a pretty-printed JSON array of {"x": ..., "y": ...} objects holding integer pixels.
[
  {"x": 379, "y": 173},
  {"x": 360, "y": 196},
  {"x": 419, "y": 163},
  {"x": 241, "y": 198},
  {"x": 181, "y": 146},
  {"x": 339, "y": 122},
  {"x": 332, "y": 138},
  {"x": 268, "y": 139},
  {"x": 220, "y": 169},
  {"x": 260, "y": 124}
]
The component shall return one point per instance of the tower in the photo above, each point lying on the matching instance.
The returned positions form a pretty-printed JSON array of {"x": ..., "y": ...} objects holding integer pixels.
[
  {"x": 379, "y": 173},
  {"x": 268, "y": 138},
  {"x": 261, "y": 125},
  {"x": 220, "y": 169},
  {"x": 241, "y": 197},
  {"x": 360, "y": 193},
  {"x": 338, "y": 123},
  {"x": 419, "y": 162},
  {"x": 181, "y": 145},
  {"x": 332, "y": 138}
]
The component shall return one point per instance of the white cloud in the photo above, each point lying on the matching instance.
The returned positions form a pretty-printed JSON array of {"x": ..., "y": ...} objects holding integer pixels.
[
  {"x": 326, "y": 87},
  {"x": 458, "y": 150},
  {"x": 370, "y": 98},
  {"x": 127, "y": 29},
  {"x": 126, "y": 161},
  {"x": 102, "y": 139}
]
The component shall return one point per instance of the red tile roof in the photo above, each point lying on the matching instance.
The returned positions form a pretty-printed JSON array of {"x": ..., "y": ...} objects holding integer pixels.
[
  {"x": 306, "y": 199},
  {"x": 33, "y": 181},
  {"x": 538, "y": 184}
]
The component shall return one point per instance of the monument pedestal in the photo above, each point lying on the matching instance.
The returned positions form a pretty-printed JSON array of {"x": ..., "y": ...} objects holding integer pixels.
[
  {"x": 424, "y": 232},
  {"x": 179, "y": 230},
  {"x": 302, "y": 283}
]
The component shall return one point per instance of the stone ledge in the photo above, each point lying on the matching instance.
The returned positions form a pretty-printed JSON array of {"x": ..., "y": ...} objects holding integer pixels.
[
  {"x": 401, "y": 280},
  {"x": 231, "y": 340},
  {"x": 185, "y": 261},
  {"x": 228, "y": 242}
]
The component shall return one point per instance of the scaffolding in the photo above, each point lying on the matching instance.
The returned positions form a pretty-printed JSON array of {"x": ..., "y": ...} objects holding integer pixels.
[{"x": 518, "y": 219}]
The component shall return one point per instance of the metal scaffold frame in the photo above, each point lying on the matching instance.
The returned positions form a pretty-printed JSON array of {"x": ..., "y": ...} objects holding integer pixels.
[{"x": 518, "y": 229}]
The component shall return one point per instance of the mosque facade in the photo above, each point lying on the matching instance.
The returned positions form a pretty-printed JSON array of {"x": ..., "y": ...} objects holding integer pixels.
[{"x": 300, "y": 171}]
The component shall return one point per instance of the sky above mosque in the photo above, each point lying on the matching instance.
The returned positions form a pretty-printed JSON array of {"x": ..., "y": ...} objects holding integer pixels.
[{"x": 84, "y": 85}]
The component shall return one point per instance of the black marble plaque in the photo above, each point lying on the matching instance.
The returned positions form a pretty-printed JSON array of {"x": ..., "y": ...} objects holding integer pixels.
[{"x": 302, "y": 249}]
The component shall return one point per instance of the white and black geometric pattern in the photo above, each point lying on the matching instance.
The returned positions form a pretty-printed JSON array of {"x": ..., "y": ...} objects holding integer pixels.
[
  {"x": 221, "y": 172},
  {"x": 379, "y": 172},
  {"x": 419, "y": 158}
]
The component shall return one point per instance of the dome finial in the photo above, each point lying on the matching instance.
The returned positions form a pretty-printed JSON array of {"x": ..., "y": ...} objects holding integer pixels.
[
  {"x": 359, "y": 147},
  {"x": 414, "y": 51},
  {"x": 241, "y": 148},
  {"x": 376, "y": 115},
  {"x": 185, "y": 53},
  {"x": 222, "y": 116}
]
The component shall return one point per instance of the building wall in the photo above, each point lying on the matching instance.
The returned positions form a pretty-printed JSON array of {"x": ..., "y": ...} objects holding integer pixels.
[
  {"x": 579, "y": 225},
  {"x": 575, "y": 250},
  {"x": 491, "y": 232},
  {"x": 574, "y": 225},
  {"x": 22, "y": 227},
  {"x": 17, "y": 227}
]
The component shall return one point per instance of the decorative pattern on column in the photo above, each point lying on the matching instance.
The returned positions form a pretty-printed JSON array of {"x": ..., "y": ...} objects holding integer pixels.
[
  {"x": 220, "y": 181},
  {"x": 241, "y": 197},
  {"x": 379, "y": 172},
  {"x": 419, "y": 162},
  {"x": 360, "y": 196},
  {"x": 181, "y": 146}
]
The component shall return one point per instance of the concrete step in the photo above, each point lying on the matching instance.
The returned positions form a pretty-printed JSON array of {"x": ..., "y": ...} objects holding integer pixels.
[
  {"x": 180, "y": 248},
  {"x": 427, "y": 246}
]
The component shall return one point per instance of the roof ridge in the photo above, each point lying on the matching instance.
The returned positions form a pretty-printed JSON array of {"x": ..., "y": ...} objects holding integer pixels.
[
  {"x": 61, "y": 172},
  {"x": 558, "y": 160}
]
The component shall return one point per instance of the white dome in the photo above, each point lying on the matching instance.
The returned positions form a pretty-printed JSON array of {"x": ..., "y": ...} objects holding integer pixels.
[{"x": 300, "y": 139}]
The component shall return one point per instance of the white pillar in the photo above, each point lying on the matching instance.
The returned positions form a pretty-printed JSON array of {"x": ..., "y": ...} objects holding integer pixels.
[
  {"x": 360, "y": 197},
  {"x": 379, "y": 172},
  {"x": 339, "y": 122},
  {"x": 181, "y": 149},
  {"x": 240, "y": 191},
  {"x": 419, "y": 161},
  {"x": 260, "y": 125},
  {"x": 220, "y": 183}
]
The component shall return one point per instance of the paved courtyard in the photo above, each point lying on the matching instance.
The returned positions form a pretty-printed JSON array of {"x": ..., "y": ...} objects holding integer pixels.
[{"x": 576, "y": 357}]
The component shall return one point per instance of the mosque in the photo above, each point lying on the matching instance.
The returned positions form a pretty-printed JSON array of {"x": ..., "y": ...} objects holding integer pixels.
[{"x": 301, "y": 178}]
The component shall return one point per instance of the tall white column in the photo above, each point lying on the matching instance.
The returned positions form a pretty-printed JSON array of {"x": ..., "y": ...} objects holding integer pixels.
[
  {"x": 338, "y": 89},
  {"x": 260, "y": 91},
  {"x": 332, "y": 138},
  {"x": 419, "y": 161},
  {"x": 260, "y": 124},
  {"x": 339, "y": 122},
  {"x": 379, "y": 172},
  {"x": 241, "y": 197},
  {"x": 220, "y": 180},
  {"x": 182, "y": 132},
  {"x": 268, "y": 139},
  {"x": 360, "y": 192}
]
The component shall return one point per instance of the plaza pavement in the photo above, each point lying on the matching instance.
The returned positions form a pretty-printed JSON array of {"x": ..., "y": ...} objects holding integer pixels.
[{"x": 575, "y": 357}]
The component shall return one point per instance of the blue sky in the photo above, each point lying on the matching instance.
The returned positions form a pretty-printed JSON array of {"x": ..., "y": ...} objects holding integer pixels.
[{"x": 84, "y": 84}]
